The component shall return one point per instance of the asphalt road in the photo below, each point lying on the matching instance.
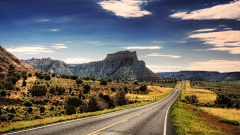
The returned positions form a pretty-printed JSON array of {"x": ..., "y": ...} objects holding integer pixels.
[{"x": 150, "y": 119}]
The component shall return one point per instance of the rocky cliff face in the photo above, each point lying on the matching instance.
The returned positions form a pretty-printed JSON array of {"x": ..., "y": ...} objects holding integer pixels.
[
  {"x": 6, "y": 58},
  {"x": 117, "y": 66}
]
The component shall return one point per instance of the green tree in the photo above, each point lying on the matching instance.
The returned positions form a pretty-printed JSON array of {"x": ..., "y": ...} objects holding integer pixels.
[
  {"x": 86, "y": 89},
  {"x": 79, "y": 81},
  {"x": 3, "y": 93},
  {"x": 27, "y": 103},
  {"x": 38, "y": 90},
  {"x": 29, "y": 74},
  {"x": 93, "y": 105},
  {"x": 24, "y": 83},
  {"x": 103, "y": 82}
]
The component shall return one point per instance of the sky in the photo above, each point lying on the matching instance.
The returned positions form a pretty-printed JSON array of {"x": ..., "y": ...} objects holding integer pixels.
[{"x": 169, "y": 35}]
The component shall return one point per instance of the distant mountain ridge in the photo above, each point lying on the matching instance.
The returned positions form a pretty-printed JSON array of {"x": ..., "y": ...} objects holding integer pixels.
[
  {"x": 202, "y": 75},
  {"x": 122, "y": 65}
]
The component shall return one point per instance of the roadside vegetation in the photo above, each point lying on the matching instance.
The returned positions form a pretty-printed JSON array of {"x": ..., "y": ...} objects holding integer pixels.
[
  {"x": 198, "y": 110},
  {"x": 40, "y": 98}
]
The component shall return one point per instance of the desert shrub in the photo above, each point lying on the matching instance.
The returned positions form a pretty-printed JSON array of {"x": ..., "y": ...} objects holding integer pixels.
[
  {"x": 24, "y": 83},
  {"x": 65, "y": 76},
  {"x": 47, "y": 77},
  {"x": 42, "y": 109},
  {"x": 108, "y": 100},
  {"x": 83, "y": 108},
  {"x": 18, "y": 75},
  {"x": 0, "y": 111},
  {"x": 70, "y": 109},
  {"x": 102, "y": 103},
  {"x": 136, "y": 83},
  {"x": 24, "y": 72},
  {"x": 17, "y": 89},
  {"x": 29, "y": 110},
  {"x": 86, "y": 89},
  {"x": 74, "y": 77},
  {"x": 13, "y": 110},
  {"x": 9, "y": 85},
  {"x": 24, "y": 76},
  {"x": 126, "y": 89},
  {"x": 38, "y": 90},
  {"x": 60, "y": 90},
  {"x": 72, "y": 94},
  {"x": 3, "y": 93},
  {"x": 223, "y": 99},
  {"x": 93, "y": 105},
  {"x": 52, "y": 108},
  {"x": 75, "y": 102},
  {"x": 79, "y": 81},
  {"x": 52, "y": 90},
  {"x": 109, "y": 80},
  {"x": 120, "y": 98},
  {"x": 192, "y": 98},
  {"x": 27, "y": 103},
  {"x": 11, "y": 69},
  {"x": 143, "y": 88},
  {"x": 54, "y": 74},
  {"x": 29, "y": 74},
  {"x": 41, "y": 76},
  {"x": 13, "y": 79},
  {"x": 103, "y": 82},
  {"x": 93, "y": 79},
  {"x": 81, "y": 96},
  {"x": 85, "y": 78},
  {"x": 231, "y": 122}
]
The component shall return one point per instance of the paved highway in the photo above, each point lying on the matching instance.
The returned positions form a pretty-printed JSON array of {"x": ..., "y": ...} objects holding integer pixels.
[{"x": 150, "y": 119}]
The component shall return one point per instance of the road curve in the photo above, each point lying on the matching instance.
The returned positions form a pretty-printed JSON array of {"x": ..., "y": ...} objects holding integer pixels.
[{"x": 150, "y": 119}]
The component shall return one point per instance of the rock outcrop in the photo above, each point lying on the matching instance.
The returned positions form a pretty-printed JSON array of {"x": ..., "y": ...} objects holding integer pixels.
[
  {"x": 6, "y": 58},
  {"x": 122, "y": 65}
]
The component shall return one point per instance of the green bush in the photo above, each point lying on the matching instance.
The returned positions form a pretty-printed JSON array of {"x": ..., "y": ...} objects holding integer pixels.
[
  {"x": 47, "y": 77},
  {"x": 85, "y": 78},
  {"x": 75, "y": 102},
  {"x": 13, "y": 79},
  {"x": 42, "y": 109},
  {"x": 29, "y": 110},
  {"x": 38, "y": 90},
  {"x": 70, "y": 109},
  {"x": 93, "y": 105},
  {"x": 54, "y": 74},
  {"x": 27, "y": 103},
  {"x": 9, "y": 85},
  {"x": 3, "y": 93},
  {"x": 24, "y": 76},
  {"x": 136, "y": 83},
  {"x": 18, "y": 75},
  {"x": 120, "y": 99},
  {"x": 60, "y": 90},
  {"x": 24, "y": 83},
  {"x": 13, "y": 110},
  {"x": 143, "y": 88},
  {"x": 79, "y": 81},
  {"x": 74, "y": 77},
  {"x": 29, "y": 74},
  {"x": 103, "y": 82},
  {"x": 86, "y": 89},
  {"x": 231, "y": 122},
  {"x": 52, "y": 108}
]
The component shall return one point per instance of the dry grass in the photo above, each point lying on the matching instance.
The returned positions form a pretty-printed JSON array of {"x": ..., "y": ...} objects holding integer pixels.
[
  {"x": 204, "y": 96},
  {"x": 178, "y": 85},
  {"x": 154, "y": 91},
  {"x": 230, "y": 114}
]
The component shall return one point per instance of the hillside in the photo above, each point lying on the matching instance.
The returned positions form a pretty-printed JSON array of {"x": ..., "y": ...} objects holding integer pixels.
[
  {"x": 201, "y": 75},
  {"x": 6, "y": 59},
  {"x": 122, "y": 65}
]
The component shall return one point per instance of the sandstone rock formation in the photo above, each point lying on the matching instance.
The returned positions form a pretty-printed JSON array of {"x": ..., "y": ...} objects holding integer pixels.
[
  {"x": 122, "y": 65},
  {"x": 6, "y": 58}
]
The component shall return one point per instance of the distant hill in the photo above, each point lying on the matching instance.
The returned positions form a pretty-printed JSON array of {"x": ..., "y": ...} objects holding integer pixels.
[
  {"x": 6, "y": 58},
  {"x": 122, "y": 65},
  {"x": 201, "y": 75}
]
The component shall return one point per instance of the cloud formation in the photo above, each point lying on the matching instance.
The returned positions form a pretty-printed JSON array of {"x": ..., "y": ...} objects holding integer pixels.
[
  {"x": 204, "y": 30},
  {"x": 54, "y": 29},
  {"x": 160, "y": 55},
  {"x": 223, "y": 11},
  {"x": 125, "y": 8},
  {"x": 216, "y": 65},
  {"x": 142, "y": 47},
  {"x": 59, "y": 47},
  {"x": 78, "y": 60},
  {"x": 29, "y": 50},
  {"x": 222, "y": 40}
]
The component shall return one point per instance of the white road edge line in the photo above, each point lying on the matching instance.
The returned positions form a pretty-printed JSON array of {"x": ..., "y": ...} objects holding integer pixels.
[{"x": 165, "y": 123}]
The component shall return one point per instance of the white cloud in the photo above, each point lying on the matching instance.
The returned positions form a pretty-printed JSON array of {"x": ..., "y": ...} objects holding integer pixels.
[
  {"x": 216, "y": 65},
  {"x": 142, "y": 47},
  {"x": 59, "y": 47},
  {"x": 94, "y": 42},
  {"x": 227, "y": 28},
  {"x": 54, "y": 29},
  {"x": 204, "y": 30},
  {"x": 79, "y": 60},
  {"x": 69, "y": 41},
  {"x": 223, "y": 11},
  {"x": 181, "y": 41},
  {"x": 43, "y": 20},
  {"x": 160, "y": 55},
  {"x": 59, "y": 44},
  {"x": 222, "y": 40},
  {"x": 125, "y": 8},
  {"x": 29, "y": 50}
]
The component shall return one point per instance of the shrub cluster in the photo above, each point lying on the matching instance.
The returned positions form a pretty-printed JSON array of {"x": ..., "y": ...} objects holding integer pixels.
[{"x": 38, "y": 90}]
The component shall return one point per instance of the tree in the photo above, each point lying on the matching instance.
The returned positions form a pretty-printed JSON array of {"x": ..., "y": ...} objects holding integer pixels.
[
  {"x": 38, "y": 90},
  {"x": 54, "y": 74},
  {"x": 93, "y": 105},
  {"x": 75, "y": 102},
  {"x": 24, "y": 76},
  {"x": 143, "y": 88},
  {"x": 86, "y": 89},
  {"x": 11, "y": 69},
  {"x": 136, "y": 83},
  {"x": 27, "y": 103},
  {"x": 74, "y": 77},
  {"x": 47, "y": 77},
  {"x": 3, "y": 93},
  {"x": 24, "y": 83},
  {"x": 29, "y": 74},
  {"x": 42, "y": 109},
  {"x": 13, "y": 110},
  {"x": 13, "y": 79}
]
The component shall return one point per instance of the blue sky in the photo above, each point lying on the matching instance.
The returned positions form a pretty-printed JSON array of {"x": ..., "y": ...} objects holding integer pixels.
[{"x": 169, "y": 35}]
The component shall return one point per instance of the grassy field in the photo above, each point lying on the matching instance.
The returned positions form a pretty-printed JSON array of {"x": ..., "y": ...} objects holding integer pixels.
[
  {"x": 230, "y": 114},
  {"x": 204, "y": 96}
]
